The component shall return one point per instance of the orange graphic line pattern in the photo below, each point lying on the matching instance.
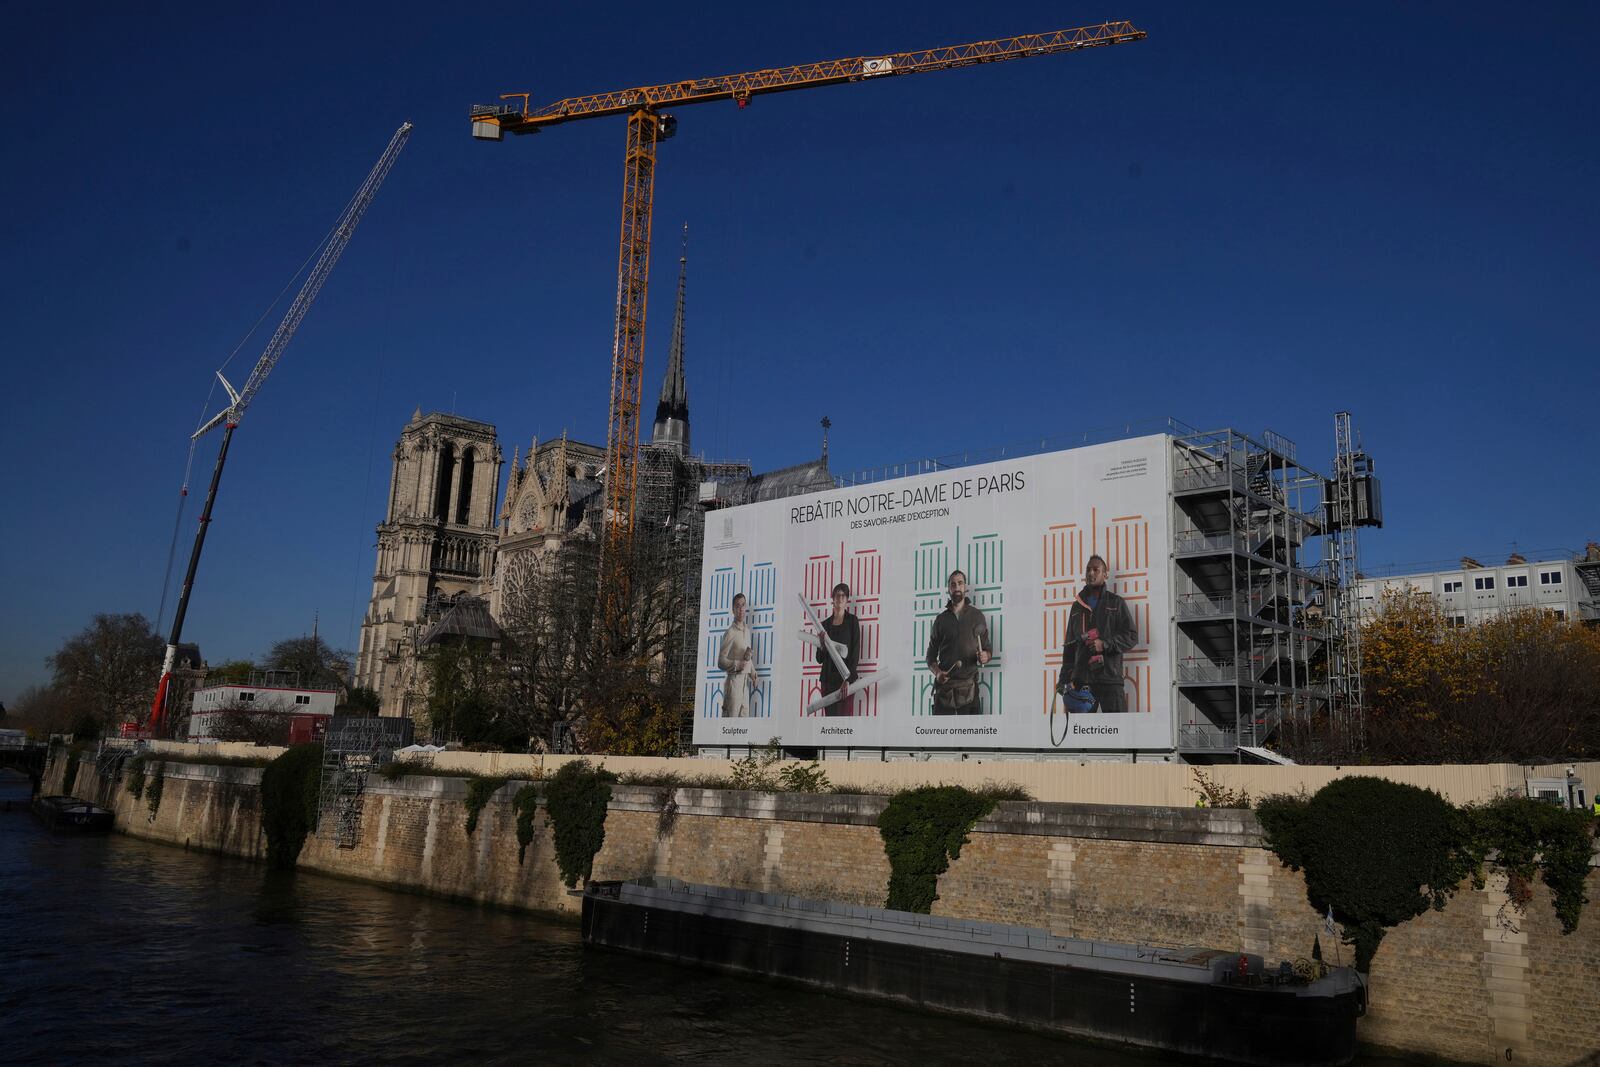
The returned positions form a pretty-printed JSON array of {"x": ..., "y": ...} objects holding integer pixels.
[{"x": 1127, "y": 546}]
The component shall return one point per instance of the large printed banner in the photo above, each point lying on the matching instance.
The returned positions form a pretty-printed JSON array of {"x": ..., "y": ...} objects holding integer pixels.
[{"x": 778, "y": 634}]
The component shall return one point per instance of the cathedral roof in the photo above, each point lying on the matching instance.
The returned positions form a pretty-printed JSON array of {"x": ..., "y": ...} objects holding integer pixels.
[
  {"x": 802, "y": 477},
  {"x": 467, "y": 617}
]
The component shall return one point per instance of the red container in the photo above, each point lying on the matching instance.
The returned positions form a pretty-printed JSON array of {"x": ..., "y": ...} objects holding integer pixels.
[{"x": 307, "y": 728}]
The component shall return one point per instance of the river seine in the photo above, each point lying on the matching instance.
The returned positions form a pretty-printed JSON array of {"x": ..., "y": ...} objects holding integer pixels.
[{"x": 118, "y": 951}]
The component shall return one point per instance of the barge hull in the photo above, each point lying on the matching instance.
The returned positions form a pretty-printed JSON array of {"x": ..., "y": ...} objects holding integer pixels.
[{"x": 1238, "y": 1023}]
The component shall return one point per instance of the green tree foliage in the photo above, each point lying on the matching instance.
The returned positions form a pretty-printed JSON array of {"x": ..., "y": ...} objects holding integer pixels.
[
  {"x": 629, "y": 712},
  {"x": 923, "y": 830},
  {"x": 1527, "y": 837},
  {"x": 109, "y": 671},
  {"x": 1376, "y": 851},
  {"x": 463, "y": 696},
  {"x": 361, "y": 701},
  {"x": 233, "y": 672},
  {"x": 575, "y": 799},
  {"x": 289, "y": 787},
  {"x": 1380, "y": 853},
  {"x": 759, "y": 771}
]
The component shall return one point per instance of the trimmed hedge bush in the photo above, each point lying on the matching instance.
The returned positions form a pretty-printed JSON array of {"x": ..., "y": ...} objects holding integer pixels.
[{"x": 1379, "y": 853}]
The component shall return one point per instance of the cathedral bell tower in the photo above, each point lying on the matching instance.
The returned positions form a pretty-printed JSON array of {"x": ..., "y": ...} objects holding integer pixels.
[{"x": 437, "y": 540}]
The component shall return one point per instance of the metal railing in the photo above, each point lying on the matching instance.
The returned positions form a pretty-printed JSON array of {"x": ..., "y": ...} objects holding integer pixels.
[
  {"x": 1203, "y": 670},
  {"x": 1058, "y": 443},
  {"x": 1206, "y": 737},
  {"x": 1196, "y": 541},
  {"x": 1209, "y": 478},
  {"x": 1202, "y": 605}
]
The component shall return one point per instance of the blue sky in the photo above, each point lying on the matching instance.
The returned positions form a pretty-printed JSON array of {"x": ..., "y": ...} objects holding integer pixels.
[{"x": 1255, "y": 218}]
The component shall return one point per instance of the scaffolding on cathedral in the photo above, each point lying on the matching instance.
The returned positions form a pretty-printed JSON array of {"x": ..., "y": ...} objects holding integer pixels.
[{"x": 353, "y": 748}]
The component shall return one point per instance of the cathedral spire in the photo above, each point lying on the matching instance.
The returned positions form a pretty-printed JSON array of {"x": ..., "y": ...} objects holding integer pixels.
[{"x": 672, "y": 412}]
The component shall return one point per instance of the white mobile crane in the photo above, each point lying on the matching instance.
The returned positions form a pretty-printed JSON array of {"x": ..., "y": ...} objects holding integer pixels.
[{"x": 240, "y": 399}]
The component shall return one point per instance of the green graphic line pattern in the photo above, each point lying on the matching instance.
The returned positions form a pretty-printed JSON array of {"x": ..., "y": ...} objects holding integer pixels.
[{"x": 984, "y": 563}]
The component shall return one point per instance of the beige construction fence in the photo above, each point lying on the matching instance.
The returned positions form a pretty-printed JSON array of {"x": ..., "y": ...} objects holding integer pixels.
[{"x": 1054, "y": 780}]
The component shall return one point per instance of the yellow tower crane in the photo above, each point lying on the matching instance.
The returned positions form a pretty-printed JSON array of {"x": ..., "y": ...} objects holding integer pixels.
[{"x": 648, "y": 125}]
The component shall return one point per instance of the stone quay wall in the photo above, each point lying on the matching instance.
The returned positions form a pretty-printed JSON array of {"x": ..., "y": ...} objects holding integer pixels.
[{"x": 1463, "y": 984}]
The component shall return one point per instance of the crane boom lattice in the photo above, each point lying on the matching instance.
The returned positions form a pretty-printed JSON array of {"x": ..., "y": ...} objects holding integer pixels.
[{"x": 239, "y": 400}]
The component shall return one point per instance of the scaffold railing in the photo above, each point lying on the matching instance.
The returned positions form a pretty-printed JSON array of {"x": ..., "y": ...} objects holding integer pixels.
[{"x": 352, "y": 749}]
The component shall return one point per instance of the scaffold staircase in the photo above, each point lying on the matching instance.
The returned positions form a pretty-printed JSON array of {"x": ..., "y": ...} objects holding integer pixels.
[
  {"x": 1589, "y": 574},
  {"x": 112, "y": 756},
  {"x": 352, "y": 749}
]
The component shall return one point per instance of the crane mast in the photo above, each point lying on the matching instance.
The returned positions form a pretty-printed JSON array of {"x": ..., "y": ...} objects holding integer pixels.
[
  {"x": 648, "y": 126},
  {"x": 239, "y": 400}
]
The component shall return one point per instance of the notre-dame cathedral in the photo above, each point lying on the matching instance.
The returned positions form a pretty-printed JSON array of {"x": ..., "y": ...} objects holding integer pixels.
[{"x": 447, "y": 541}]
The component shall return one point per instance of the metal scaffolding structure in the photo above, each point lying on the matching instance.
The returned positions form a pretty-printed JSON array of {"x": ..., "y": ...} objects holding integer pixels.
[
  {"x": 353, "y": 748},
  {"x": 1249, "y": 648}
]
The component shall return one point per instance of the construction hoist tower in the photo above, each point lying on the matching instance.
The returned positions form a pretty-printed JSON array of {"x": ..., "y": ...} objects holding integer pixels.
[
  {"x": 1351, "y": 499},
  {"x": 648, "y": 125}
]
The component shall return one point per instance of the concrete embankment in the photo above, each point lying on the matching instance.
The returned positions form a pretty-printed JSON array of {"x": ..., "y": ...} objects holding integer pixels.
[{"x": 1460, "y": 984}]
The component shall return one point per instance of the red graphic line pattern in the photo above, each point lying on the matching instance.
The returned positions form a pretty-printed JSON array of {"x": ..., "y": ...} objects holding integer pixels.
[
  {"x": 1127, "y": 551},
  {"x": 863, "y": 573}
]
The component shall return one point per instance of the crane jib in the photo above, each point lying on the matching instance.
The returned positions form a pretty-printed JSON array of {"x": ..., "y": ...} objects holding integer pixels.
[
  {"x": 646, "y": 127},
  {"x": 741, "y": 87}
]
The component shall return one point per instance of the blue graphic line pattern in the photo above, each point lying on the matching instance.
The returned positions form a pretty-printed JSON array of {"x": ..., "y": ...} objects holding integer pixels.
[{"x": 759, "y": 584}]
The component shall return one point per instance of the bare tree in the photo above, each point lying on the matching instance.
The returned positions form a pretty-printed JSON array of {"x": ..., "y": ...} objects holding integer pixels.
[
  {"x": 43, "y": 710},
  {"x": 607, "y": 680},
  {"x": 548, "y": 609},
  {"x": 319, "y": 665},
  {"x": 243, "y": 720},
  {"x": 109, "y": 670}
]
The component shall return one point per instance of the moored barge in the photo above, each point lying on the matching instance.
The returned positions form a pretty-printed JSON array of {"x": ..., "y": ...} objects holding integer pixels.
[
  {"x": 71, "y": 815},
  {"x": 1201, "y": 1002}
]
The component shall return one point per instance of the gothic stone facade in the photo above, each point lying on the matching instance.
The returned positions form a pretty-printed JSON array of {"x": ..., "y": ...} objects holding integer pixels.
[{"x": 436, "y": 541}]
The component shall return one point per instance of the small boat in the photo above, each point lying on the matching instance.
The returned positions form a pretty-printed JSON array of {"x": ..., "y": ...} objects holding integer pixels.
[
  {"x": 1201, "y": 1002},
  {"x": 71, "y": 815}
]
